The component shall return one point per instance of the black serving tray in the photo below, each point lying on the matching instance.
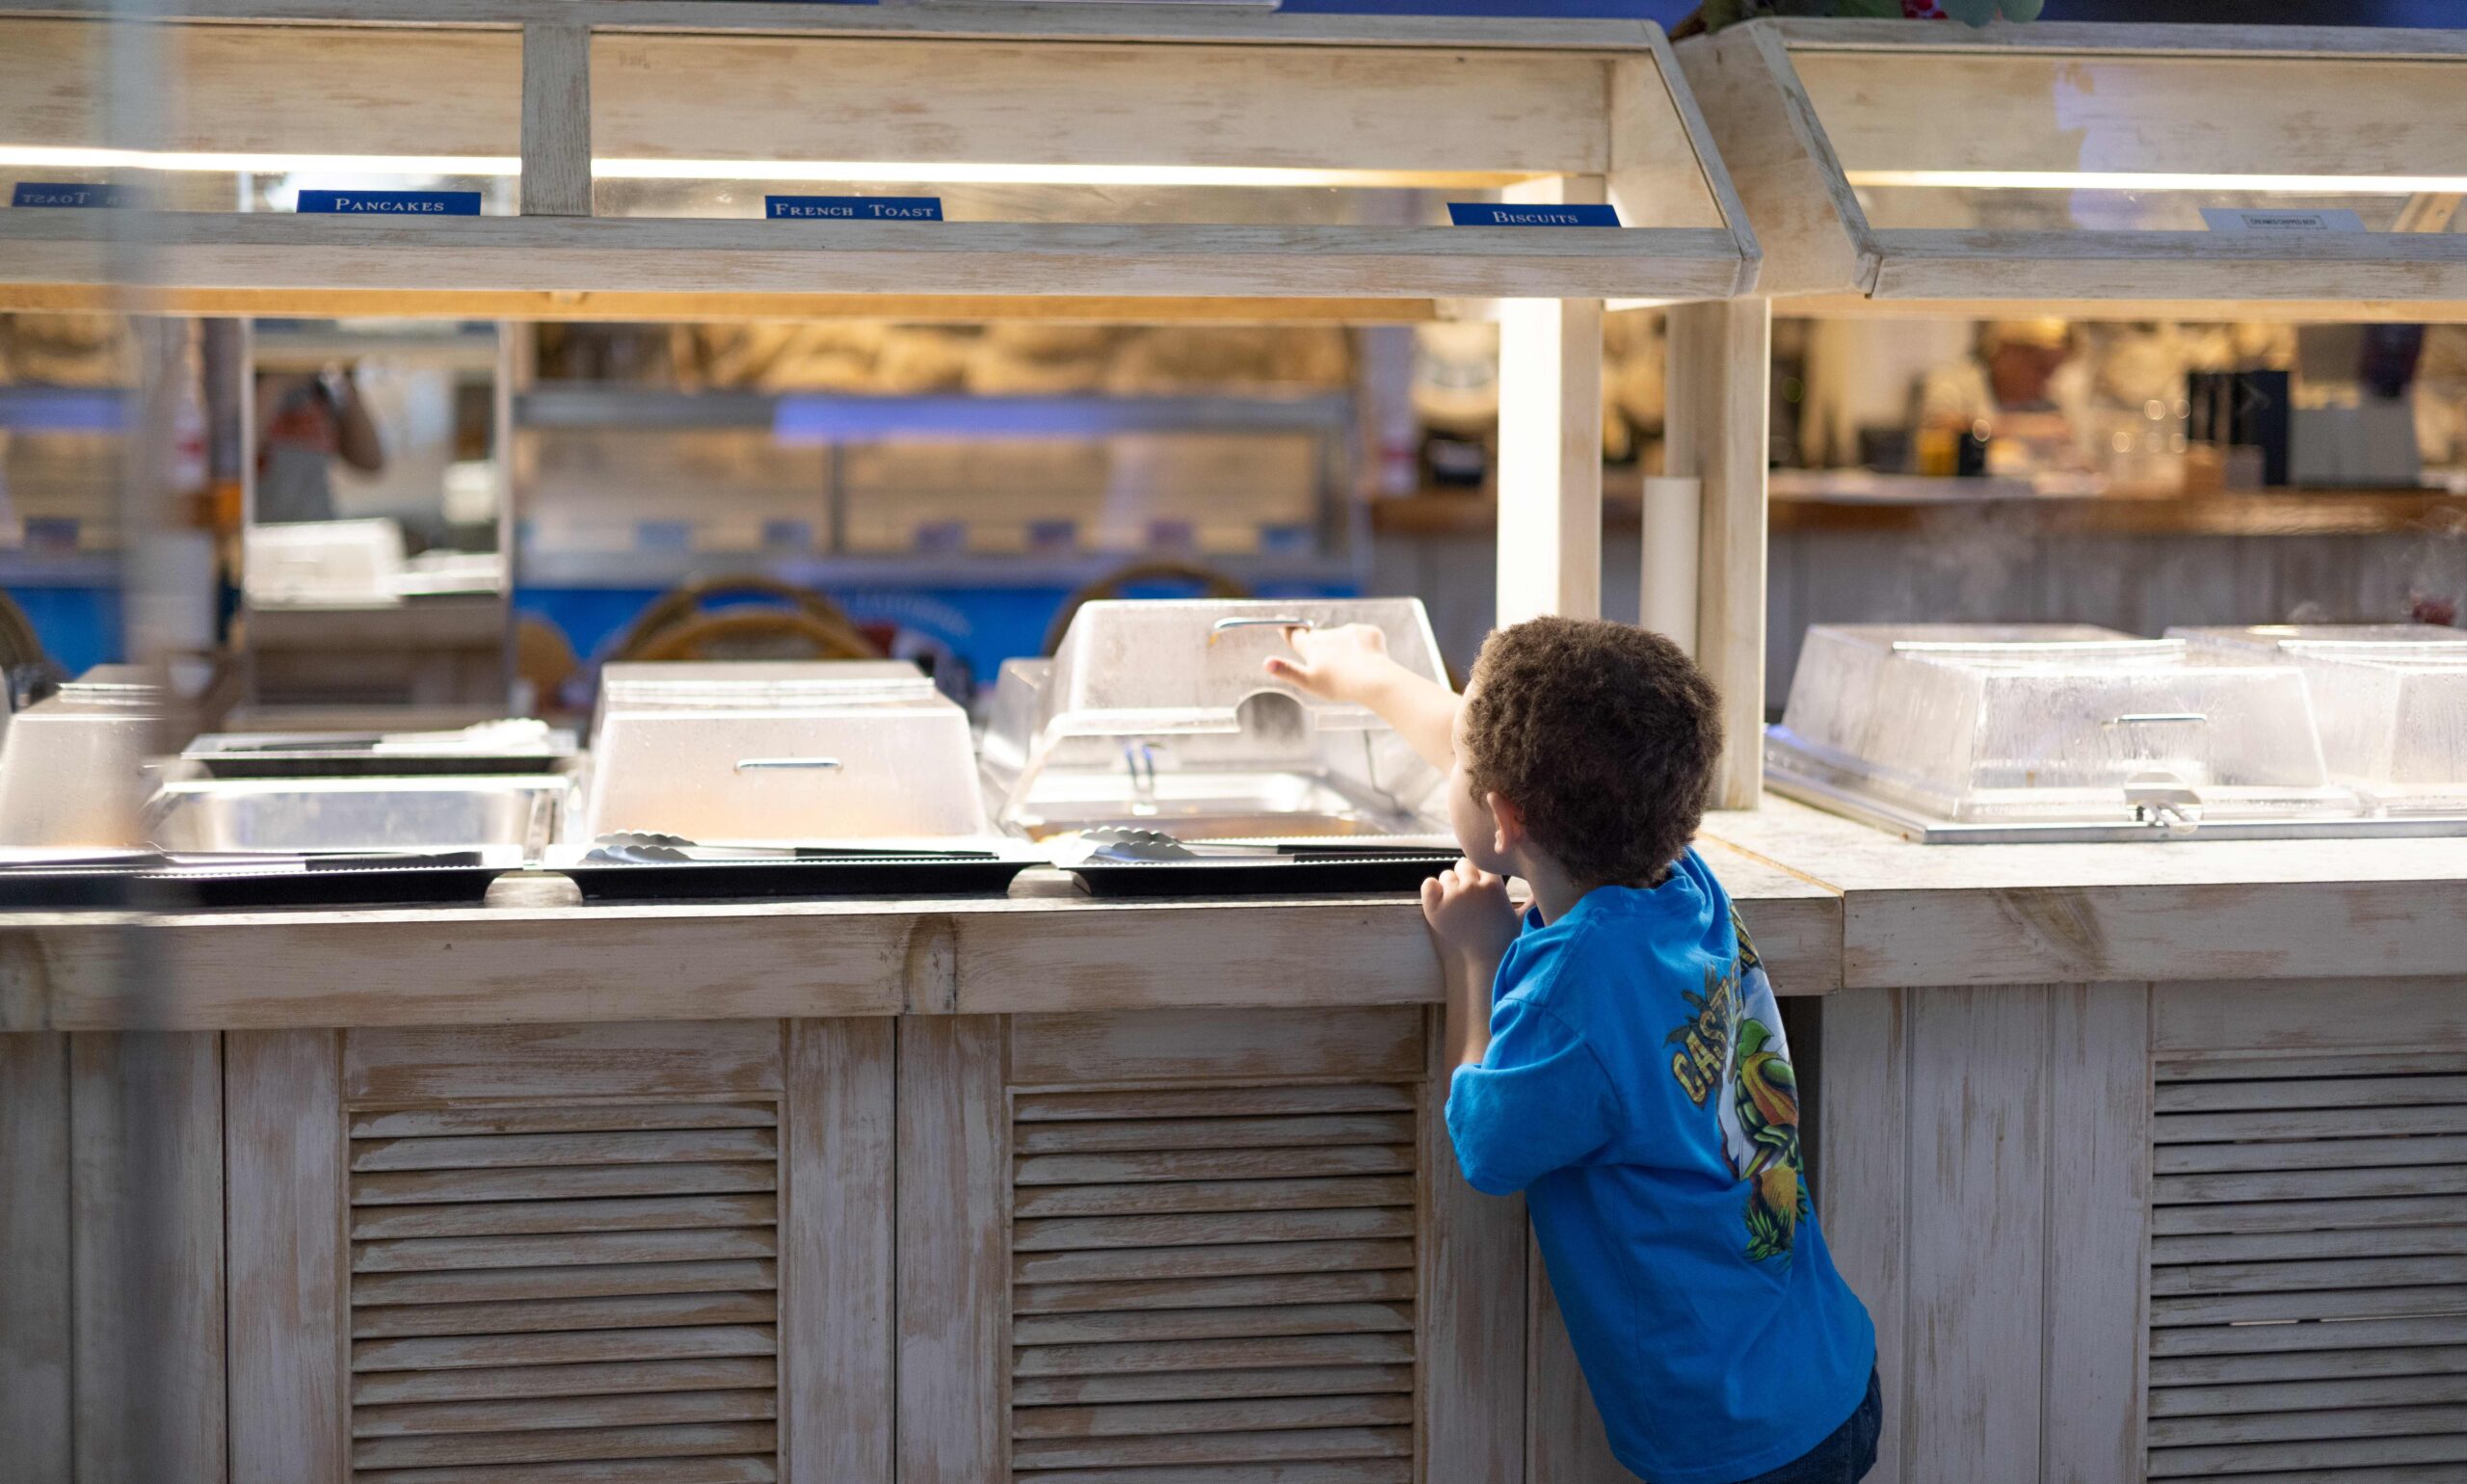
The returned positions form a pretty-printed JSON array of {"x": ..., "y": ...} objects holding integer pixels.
[
  {"x": 875, "y": 874},
  {"x": 454, "y": 880},
  {"x": 1297, "y": 872},
  {"x": 339, "y": 763}
]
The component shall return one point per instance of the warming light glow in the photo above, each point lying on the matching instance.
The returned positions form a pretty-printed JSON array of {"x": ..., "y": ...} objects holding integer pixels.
[
  {"x": 41, "y": 158},
  {"x": 2158, "y": 180},
  {"x": 851, "y": 172}
]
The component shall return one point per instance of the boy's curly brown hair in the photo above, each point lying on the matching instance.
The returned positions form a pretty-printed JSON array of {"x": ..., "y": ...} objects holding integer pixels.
[{"x": 1605, "y": 735}]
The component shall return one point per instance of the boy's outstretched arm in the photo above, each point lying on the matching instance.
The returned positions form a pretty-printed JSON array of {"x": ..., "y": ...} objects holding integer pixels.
[{"x": 1351, "y": 664}]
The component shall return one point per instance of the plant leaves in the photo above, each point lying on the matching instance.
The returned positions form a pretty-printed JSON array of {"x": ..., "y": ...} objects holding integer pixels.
[
  {"x": 2020, "y": 10},
  {"x": 1874, "y": 9},
  {"x": 1971, "y": 13}
]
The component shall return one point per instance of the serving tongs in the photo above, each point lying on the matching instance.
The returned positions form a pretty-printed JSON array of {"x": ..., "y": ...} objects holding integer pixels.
[
  {"x": 1125, "y": 845},
  {"x": 652, "y": 847}
]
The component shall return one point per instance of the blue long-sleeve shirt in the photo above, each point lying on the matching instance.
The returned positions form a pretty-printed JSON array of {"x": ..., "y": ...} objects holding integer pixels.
[{"x": 1639, "y": 1089}]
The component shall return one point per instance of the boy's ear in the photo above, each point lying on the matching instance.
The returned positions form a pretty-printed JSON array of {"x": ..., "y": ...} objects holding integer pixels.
[{"x": 1507, "y": 822}]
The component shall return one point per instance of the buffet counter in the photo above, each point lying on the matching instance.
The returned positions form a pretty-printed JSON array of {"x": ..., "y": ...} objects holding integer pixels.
[
  {"x": 872, "y": 1150},
  {"x": 2141, "y": 1155},
  {"x": 971, "y": 1189}
]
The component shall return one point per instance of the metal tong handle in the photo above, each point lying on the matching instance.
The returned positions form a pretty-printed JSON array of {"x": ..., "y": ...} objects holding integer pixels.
[
  {"x": 784, "y": 764},
  {"x": 2160, "y": 719}
]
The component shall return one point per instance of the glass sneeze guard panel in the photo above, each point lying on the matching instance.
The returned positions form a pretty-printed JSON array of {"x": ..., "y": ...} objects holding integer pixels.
[
  {"x": 1161, "y": 715},
  {"x": 1948, "y": 728},
  {"x": 2116, "y": 141}
]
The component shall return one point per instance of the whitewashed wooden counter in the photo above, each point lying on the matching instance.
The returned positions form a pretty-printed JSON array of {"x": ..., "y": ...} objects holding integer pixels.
[
  {"x": 2100, "y": 1126},
  {"x": 841, "y": 1189},
  {"x": 1042, "y": 1189}
]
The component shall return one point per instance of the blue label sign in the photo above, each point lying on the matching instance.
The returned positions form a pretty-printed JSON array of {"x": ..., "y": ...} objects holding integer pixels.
[
  {"x": 663, "y": 536},
  {"x": 853, "y": 208},
  {"x": 45, "y": 193},
  {"x": 941, "y": 537},
  {"x": 1509, "y": 214},
  {"x": 53, "y": 534},
  {"x": 391, "y": 203}
]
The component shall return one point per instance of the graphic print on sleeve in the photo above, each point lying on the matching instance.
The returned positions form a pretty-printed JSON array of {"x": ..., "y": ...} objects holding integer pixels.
[{"x": 1734, "y": 1054}]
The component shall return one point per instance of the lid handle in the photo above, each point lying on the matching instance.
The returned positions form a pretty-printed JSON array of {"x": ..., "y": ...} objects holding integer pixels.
[{"x": 1226, "y": 626}]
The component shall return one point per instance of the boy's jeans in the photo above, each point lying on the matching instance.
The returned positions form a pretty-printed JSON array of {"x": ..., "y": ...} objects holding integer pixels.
[{"x": 1846, "y": 1457}]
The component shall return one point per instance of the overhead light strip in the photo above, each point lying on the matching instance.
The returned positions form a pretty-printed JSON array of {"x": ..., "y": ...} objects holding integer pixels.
[
  {"x": 2158, "y": 180},
  {"x": 851, "y": 172},
  {"x": 43, "y": 157}
]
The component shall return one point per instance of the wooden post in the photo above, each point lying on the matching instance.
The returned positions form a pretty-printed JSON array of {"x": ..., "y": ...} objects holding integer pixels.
[
  {"x": 1862, "y": 1101},
  {"x": 556, "y": 119},
  {"x": 835, "y": 1252},
  {"x": 33, "y": 1257},
  {"x": 146, "y": 1212},
  {"x": 1564, "y": 1440},
  {"x": 285, "y": 1209},
  {"x": 954, "y": 1260},
  {"x": 1720, "y": 356},
  {"x": 1550, "y": 516},
  {"x": 1473, "y": 1305}
]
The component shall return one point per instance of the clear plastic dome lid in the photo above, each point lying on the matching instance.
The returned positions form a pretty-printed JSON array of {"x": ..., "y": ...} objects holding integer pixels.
[
  {"x": 1977, "y": 723},
  {"x": 780, "y": 753},
  {"x": 1163, "y": 713},
  {"x": 755, "y": 684},
  {"x": 2390, "y": 701}
]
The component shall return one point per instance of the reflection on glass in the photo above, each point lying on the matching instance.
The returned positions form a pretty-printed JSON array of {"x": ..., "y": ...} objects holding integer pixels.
[{"x": 372, "y": 566}]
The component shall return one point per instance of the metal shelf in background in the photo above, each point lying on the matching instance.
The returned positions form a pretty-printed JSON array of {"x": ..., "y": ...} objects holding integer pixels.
[
  {"x": 629, "y": 569},
  {"x": 826, "y": 417},
  {"x": 835, "y": 421},
  {"x": 306, "y": 345}
]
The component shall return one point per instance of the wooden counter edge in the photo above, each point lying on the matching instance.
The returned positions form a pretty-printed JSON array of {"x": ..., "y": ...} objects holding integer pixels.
[
  {"x": 2159, "y": 932},
  {"x": 1926, "y": 916},
  {"x": 271, "y": 971}
]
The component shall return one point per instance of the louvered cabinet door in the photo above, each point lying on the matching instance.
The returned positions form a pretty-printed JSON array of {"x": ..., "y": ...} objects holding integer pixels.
[
  {"x": 539, "y": 1283},
  {"x": 1214, "y": 1279},
  {"x": 525, "y": 1255},
  {"x": 1219, "y": 1254},
  {"x": 2308, "y": 1268}
]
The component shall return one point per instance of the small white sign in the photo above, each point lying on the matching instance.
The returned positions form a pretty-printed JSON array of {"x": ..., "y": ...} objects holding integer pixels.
[{"x": 2244, "y": 219}]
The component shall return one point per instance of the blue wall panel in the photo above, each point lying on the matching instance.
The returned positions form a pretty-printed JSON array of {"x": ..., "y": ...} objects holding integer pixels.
[{"x": 79, "y": 626}]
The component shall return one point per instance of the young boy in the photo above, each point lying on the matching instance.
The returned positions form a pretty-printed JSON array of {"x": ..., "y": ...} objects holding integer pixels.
[{"x": 1618, "y": 1054}]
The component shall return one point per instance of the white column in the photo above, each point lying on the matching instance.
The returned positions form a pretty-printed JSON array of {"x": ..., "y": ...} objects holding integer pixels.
[
  {"x": 1549, "y": 476},
  {"x": 1714, "y": 432}
]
